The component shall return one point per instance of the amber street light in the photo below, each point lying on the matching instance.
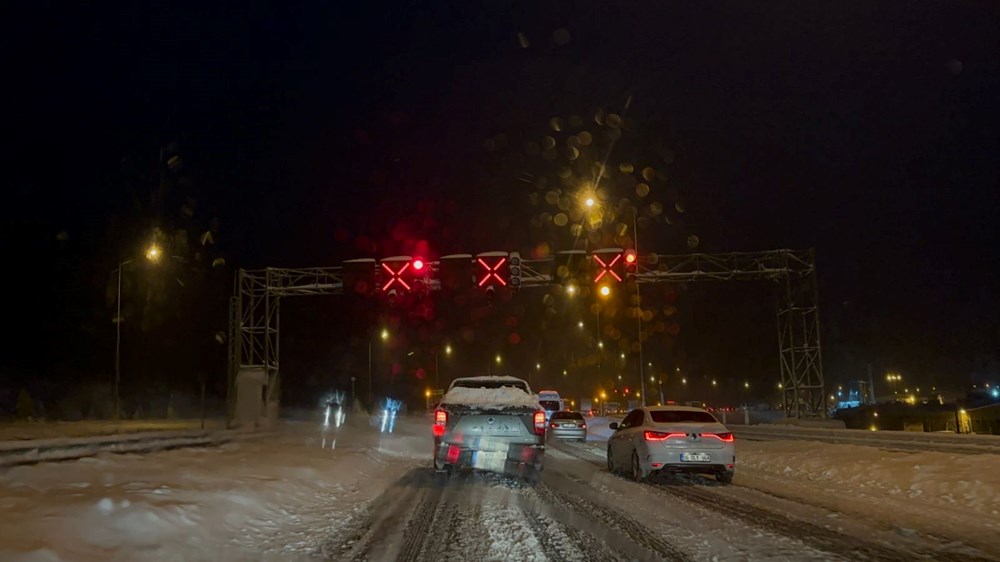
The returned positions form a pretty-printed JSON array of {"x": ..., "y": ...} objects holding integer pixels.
[{"x": 153, "y": 254}]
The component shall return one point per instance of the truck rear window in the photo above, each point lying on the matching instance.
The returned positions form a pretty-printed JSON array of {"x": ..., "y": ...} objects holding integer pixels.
[
  {"x": 551, "y": 405},
  {"x": 491, "y": 384}
]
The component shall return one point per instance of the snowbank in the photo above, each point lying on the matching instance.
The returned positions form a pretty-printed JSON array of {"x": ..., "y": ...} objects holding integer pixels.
[
  {"x": 940, "y": 494},
  {"x": 491, "y": 398},
  {"x": 263, "y": 499},
  {"x": 942, "y": 479},
  {"x": 90, "y": 428}
]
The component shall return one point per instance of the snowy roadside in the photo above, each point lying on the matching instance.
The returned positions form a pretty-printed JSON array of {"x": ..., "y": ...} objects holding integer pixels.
[
  {"x": 29, "y": 451},
  {"x": 942, "y": 494},
  {"x": 90, "y": 428},
  {"x": 50, "y": 450},
  {"x": 930, "y": 494},
  {"x": 274, "y": 499}
]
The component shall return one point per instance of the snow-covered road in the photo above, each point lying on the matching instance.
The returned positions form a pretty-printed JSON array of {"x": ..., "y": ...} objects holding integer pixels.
[{"x": 354, "y": 493}]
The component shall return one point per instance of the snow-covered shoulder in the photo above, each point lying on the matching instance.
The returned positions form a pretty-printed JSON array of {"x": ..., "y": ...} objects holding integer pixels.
[{"x": 491, "y": 398}]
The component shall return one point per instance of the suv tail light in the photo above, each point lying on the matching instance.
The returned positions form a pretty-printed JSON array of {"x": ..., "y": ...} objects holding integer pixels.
[
  {"x": 726, "y": 437},
  {"x": 540, "y": 423},
  {"x": 660, "y": 436},
  {"x": 440, "y": 422}
]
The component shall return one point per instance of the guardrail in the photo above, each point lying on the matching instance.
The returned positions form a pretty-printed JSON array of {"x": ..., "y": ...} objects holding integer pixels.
[
  {"x": 896, "y": 440},
  {"x": 13, "y": 453}
]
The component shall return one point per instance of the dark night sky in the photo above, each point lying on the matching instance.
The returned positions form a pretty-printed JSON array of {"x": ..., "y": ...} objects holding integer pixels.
[{"x": 868, "y": 130}]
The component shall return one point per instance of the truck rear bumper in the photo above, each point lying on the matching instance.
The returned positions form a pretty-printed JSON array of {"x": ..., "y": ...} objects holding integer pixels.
[{"x": 512, "y": 459}]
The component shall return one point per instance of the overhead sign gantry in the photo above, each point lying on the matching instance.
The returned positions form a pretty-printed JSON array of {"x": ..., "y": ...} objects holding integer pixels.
[{"x": 255, "y": 306}]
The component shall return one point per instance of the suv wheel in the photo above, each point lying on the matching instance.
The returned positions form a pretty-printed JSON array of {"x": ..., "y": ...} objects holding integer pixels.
[{"x": 611, "y": 461}]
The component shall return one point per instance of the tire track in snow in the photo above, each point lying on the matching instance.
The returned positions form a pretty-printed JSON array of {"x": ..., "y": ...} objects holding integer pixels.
[
  {"x": 377, "y": 532},
  {"x": 458, "y": 534},
  {"x": 559, "y": 540},
  {"x": 814, "y": 535},
  {"x": 417, "y": 528},
  {"x": 635, "y": 532}
]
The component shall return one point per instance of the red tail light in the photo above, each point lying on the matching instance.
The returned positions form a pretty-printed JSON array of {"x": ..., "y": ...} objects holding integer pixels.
[
  {"x": 440, "y": 422},
  {"x": 583, "y": 426},
  {"x": 726, "y": 437},
  {"x": 540, "y": 423},
  {"x": 660, "y": 436},
  {"x": 553, "y": 425}
]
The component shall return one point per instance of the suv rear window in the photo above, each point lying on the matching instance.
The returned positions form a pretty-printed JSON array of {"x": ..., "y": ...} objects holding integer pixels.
[
  {"x": 680, "y": 416},
  {"x": 567, "y": 416},
  {"x": 550, "y": 405}
]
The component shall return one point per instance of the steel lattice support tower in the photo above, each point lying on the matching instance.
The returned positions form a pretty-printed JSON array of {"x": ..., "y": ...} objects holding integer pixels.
[
  {"x": 803, "y": 393},
  {"x": 255, "y": 318}
]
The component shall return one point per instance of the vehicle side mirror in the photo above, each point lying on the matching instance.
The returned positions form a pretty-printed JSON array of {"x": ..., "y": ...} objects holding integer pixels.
[{"x": 613, "y": 425}]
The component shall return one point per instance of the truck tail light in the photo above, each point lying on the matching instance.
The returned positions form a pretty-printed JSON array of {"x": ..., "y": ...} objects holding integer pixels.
[
  {"x": 440, "y": 422},
  {"x": 540, "y": 422}
]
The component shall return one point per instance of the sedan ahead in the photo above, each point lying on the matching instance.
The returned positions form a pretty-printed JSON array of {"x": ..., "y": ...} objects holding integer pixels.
[
  {"x": 567, "y": 425},
  {"x": 670, "y": 439}
]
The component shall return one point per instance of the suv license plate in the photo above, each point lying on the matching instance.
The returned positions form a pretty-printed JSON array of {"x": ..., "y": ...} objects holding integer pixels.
[{"x": 696, "y": 457}]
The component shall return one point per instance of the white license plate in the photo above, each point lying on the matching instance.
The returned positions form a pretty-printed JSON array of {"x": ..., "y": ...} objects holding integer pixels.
[
  {"x": 489, "y": 460},
  {"x": 696, "y": 457}
]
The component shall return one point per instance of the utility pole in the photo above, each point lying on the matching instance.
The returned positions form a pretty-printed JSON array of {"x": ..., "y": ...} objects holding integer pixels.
[{"x": 871, "y": 386}]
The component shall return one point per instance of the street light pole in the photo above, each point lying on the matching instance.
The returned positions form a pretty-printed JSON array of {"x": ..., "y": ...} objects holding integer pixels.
[
  {"x": 153, "y": 253},
  {"x": 638, "y": 303},
  {"x": 118, "y": 341}
]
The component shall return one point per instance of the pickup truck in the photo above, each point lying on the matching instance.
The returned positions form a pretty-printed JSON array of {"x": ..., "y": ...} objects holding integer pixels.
[{"x": 490, "y": 423}]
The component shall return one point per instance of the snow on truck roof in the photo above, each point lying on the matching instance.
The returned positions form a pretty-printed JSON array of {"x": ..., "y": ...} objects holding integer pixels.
[
  {"x": 492, "y": 395},
  {"x": 490, "y": 378}
]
